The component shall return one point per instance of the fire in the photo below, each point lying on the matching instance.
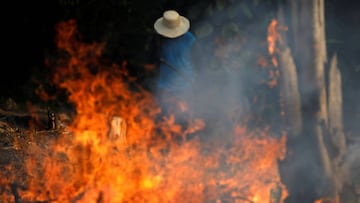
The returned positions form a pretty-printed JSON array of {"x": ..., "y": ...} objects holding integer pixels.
[
  {"x": 327, "y": 199},
  {"x": 273, "y": 39},
  {"x": 85, "y": 165}
]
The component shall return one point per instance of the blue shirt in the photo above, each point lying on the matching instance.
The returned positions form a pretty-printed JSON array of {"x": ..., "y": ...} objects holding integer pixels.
[{"x": 176, "y": 69}]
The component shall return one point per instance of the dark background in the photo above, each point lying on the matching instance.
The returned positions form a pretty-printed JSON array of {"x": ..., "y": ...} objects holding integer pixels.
[{"x": 29, "y": 37}]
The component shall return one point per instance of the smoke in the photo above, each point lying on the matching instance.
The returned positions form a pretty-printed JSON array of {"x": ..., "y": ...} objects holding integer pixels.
[
  {"x": 352, "y": 164},
  {"x": 231, "y": 39}
]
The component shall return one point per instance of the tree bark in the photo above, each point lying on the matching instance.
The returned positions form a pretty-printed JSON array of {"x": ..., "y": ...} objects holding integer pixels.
[
  {"x": 290, "y": 92},
  {"x": 336, "y": 130},
  {"x": 313, "y": 65},
  {"x": 309, "y": 43},
  {"x": 311, "y": 57},
  {"x": 335, "y": 103},
  {"x": 289, "y": 85}
]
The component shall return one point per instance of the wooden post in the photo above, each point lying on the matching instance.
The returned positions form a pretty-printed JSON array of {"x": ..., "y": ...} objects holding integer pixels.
[{"x": 118, "y": 128}]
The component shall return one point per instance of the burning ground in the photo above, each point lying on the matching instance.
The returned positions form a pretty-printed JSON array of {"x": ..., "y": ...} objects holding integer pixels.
[{"x": 159, "y": 159}]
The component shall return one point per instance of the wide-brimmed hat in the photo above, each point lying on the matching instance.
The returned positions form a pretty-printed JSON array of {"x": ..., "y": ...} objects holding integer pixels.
[{"x": 171, "y": 24}]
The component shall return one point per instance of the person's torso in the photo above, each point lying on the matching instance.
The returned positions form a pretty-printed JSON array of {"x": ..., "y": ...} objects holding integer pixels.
[{"x": 176, "y": 69}]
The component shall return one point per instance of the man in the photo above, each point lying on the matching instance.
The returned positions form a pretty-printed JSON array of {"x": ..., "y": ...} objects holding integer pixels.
[{"x": 176, "y": 74}]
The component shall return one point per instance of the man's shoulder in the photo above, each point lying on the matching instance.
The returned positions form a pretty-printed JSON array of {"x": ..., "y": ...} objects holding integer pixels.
[
  {"x": 186, "y": 39},
  {"x": 189, "y": 36}
]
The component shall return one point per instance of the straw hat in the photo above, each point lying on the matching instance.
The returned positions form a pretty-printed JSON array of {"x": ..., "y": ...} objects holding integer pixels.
[{"x": 171, "y": 24}]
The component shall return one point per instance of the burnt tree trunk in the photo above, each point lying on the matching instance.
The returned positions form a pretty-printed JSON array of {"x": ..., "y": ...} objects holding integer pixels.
[
  {"x": 315, "y": 151},
  {"x": 336, "y": 130},
  {"x": 290, "y": 95}
]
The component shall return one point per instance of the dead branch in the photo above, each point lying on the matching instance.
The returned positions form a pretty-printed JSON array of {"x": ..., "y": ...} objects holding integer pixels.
[{"x": 40, "y": 112}]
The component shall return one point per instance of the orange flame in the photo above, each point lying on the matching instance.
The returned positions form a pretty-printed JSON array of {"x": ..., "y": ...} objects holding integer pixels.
[
  {"x": 84, "y": 165},
  {"x": 274, "y": 38},
  {"x": 328, "y": 200}
]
